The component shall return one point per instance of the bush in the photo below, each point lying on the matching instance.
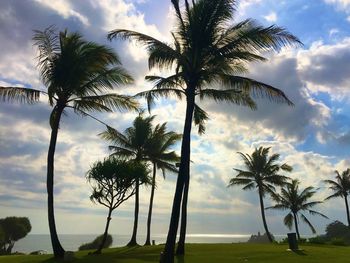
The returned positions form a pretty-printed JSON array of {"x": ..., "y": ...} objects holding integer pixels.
[
  {"x": 338, "y": 241},
  {"x": 96, "y": 243},
  {"x": 320, "y": 240},
  {"x": 260, "y": 238},
  {"x": 337, "y": 231}
]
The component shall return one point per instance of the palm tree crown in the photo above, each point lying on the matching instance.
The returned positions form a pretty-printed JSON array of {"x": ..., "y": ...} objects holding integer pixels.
[
  {"x": 341, "y": 188},
  {"x": 296, "y": 201},
  {"x": 262, "y": 173}
]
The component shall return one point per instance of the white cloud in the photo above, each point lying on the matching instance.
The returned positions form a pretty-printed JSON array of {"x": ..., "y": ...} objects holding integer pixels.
[
  {"x": 64, "y": 8},
  {"x": 271, "y": 17}
]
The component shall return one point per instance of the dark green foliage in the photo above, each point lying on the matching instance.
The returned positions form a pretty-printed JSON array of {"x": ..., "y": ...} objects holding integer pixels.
[
  {"x": 317, "y": 240},
  {"x": 260, "y": 238},
  {"x": 12, "y": 229},
  {"x": 336, "y": 231},
  {"x": 97, "y": 242},
  {"x": 338, "y": 241}
]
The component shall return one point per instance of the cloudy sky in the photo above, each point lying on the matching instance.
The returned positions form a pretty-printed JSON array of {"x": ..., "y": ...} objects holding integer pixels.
[{"x": 313, "y": 136}]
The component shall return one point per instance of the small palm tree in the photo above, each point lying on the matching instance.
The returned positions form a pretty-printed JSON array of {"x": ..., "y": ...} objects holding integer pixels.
[
  {"x": 161, "y": 158},
  {"x": 132, "y": 145},
  {"x": 113, "y": 182},
  {"x": 262, "y": 173},
  {"x": 296, "y": 201},
  {"x": 206, "y": 51},
  {"x": 76, "y": 73},
  {"x": 341, "y": 188}
]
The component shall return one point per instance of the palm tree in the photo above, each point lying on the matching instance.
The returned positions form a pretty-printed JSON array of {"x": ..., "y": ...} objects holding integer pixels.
[
  {"x": 76, "y": 73},
  {"x": 341, "y": 188},
  {"x": 113, "y": 182},
  {"x": 206, "y": 51},
  {"x": 161, "y": 158},
  {"x": 262, "y": 173},
  {"x": 296, "y": 201},
  {"x": 133, "y": 144}
]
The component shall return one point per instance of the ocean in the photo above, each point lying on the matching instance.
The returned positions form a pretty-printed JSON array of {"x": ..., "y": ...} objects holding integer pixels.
[{"x": 72, "y": 242}]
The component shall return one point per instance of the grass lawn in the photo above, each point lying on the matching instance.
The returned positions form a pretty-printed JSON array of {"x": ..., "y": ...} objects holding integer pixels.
[{"x": 207, "y": 253}]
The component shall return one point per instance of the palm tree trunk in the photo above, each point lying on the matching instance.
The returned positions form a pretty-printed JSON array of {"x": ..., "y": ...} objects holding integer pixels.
[
  {"x": 99, "y": 250},
  {"x": 56, "y": 245},
  {"x": 133, "y": 241},
  {"x": 263, "y": 217},
  {"x": 167, "y": 255},
  {"x": 149, "y": 219},
  {"x": 181, "y": 245},
  {"x": 296, "y": 225},
  {"x": 347, "y": 209}
]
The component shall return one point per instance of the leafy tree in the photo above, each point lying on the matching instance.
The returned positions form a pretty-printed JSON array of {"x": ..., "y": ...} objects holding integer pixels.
[
  {"x": 262, "y": 173},
  {"x": 113, "y": 182},
  {"x": 76, "y": 73},
  {"x": 161, "y": 158},
  {"x": 296, "y": 201},
  {"x": 96, "y": 243},
  {"x": 132, "y": 145},
  {"x": 337, "y": 230},
  {"x": 341, "y": 188},
  {"x": 12, "y": 229},
  {"x": 206, "y": 51}
]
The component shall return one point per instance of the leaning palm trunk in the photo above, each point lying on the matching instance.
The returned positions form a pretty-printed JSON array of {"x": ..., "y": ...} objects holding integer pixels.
[
  {"x": 149, "y": 219},
  {"x": 56, "y": 245},
  {"x": 168, "y": 253},
  {"x": 263, "y": 217},
  {"x": 181, "y": 245},
  {"x": 99, "y": 250},
  {"x": 347, "y": 209},
  {"x": 296, "y": 225},
  {"x": 133, "y": 241}
]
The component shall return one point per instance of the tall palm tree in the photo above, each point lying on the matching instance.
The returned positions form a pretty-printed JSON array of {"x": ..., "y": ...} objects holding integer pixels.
[
  {"x": 341, "y": 188},
  {"x": 76, "y": 73},
  {"x": 296, "y": 201},
  {"x": 207, "y": 51},
  {"x": 113, "y": 182},
  {"x": 134, "y": 145},
  {"x": 262, "y": 173},
  {"x": 161, "y": 158}
]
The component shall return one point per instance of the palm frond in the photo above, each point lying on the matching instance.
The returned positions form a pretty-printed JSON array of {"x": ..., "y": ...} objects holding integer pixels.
[
  {"x": 308, "y": 223},
  {"x": 18, "y": 94},
  {"x": 200, "y": 117}
]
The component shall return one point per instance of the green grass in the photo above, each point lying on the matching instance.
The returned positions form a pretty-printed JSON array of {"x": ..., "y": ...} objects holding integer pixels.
[{"x": 207, "y": 253}]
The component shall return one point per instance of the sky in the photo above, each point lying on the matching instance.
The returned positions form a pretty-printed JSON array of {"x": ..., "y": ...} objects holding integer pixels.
[{"x": 313, "y": 136}]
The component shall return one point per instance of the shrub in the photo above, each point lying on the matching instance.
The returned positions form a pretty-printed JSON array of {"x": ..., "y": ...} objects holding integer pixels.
[
  {"x": 338, "y": 241},
  {"x": 96, "y": 243},
  {"x": 317, "y": 240},
  {"x": 337, "y": 230}
]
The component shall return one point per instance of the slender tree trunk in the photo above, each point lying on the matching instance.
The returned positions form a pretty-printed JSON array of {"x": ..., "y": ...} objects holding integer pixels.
[
  {"x": 56, "y": 245},
  {"x": 347, "y": 209},
  {"x": 168, "y": 254},
  {"x": 181, "y": 245},
  {"x": 133, "y": 241},
  {"x": 99, "y": 250},
  {"x": 296, "y": 225},
  {"x": 263, "y": 217},
  {"x": 149, "y": 219}
]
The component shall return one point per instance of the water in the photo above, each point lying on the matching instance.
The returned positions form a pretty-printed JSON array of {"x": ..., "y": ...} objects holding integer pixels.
[{"x": 72, "y": 242}]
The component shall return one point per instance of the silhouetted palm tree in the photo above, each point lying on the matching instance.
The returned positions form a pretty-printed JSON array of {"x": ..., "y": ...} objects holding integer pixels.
[
  {"x": 161, "y": 158},
  {"x": 341, "y": 188},
  {"x": 133, "y": 145},
  {"x": 113, "y": 182},
  {"x": 76, "y": 74},
  {"x": 295, "y": 200},
  {"x": 262, "y": 173},
  {"x": 206, "y": 51}
]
